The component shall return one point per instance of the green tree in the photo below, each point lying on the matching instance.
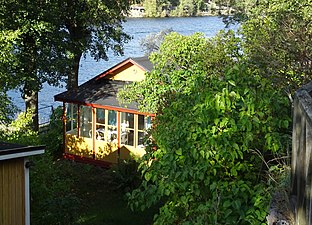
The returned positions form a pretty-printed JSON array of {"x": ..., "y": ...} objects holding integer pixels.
[
  {"x": 46, "y": 40},
  {"x": 179, "y": 61},
  {"x": 214, "y": 115},
  {"x": 277, "y": 38},
  {"x": 90, "y": 26},
  {"x": 151, "y": 8},
  {"x": 29, "y": 50},
  {"x": 7, "y": 109}
]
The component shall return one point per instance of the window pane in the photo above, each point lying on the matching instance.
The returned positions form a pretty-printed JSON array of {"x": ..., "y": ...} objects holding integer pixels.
[
  {"x": 71, "y": 118},
  {"x": 124, "y": 124},
  {"x": 128, "y": 118},
  {"x": 127, "y": 126},
  {"x": 148, "y": 122},
  {"x": 100, "y": 132},
  {"x": 112, "y": 117},
  {"x": 141, "y": 138},
  {"x": 85, "y": 121},
  {"x": 124, "y": 137},
  {"x": 130, "y": 138},
  {"x": 127, "y": 138},
  {"x": 141, "y": 122},
  {"x": 100, "y": 116}
]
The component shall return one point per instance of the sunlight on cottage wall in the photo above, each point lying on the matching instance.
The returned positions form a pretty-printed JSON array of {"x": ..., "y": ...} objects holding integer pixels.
[
  {"x": 132, "y": 73},
  {"x": 78, "y": 146},
  {"x": 106, "y": 151}
]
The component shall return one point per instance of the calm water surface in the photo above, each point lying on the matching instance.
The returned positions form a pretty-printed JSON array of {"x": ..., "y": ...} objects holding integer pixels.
[{"x": 138, "y": 28}]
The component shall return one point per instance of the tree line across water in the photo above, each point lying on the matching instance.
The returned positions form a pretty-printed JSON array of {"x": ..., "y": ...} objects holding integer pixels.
[{"x": 157, "y": 8}]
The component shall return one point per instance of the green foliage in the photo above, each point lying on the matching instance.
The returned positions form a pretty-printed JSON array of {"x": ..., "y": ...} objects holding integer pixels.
[
  {"x": 43, "y": 41},
  {"x": 204, "y": 168},
  {"x": 54, "y": 201},
  {"x": 125, "y": 175},
  {"x": 214, "y": 113},
  {"x": 54, "y": 198},
  {"x": 181, "y": 62},
  {"x": 277, "y": 38},
  {"x": 30, "y": 52},
  {"x": 7, "y": 109},
  {"x": 89, "y": 27},
  {"x": 19, "y": 131},
  {"x": 54, "y": 136}
]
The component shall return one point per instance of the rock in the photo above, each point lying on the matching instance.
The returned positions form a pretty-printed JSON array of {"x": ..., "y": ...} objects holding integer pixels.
[{"x": 280, "y": 212}]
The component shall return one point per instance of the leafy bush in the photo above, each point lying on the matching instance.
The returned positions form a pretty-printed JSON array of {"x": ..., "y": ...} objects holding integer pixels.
[
  {"x": 54, "y": 199},
  {"x": 214, "y": 113},
  {"x": 125, "y": 175},
  {"x": 54, "y": 137},
  {"x": 19, "y": 130},
  {"x": 204, "y": 165}
]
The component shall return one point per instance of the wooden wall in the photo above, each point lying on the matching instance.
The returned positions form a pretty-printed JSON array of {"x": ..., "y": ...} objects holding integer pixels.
[
  {"x": 301, "y": 155},
  {"x": 12, "y": 192},
  {"x": 128, "y": 72}
]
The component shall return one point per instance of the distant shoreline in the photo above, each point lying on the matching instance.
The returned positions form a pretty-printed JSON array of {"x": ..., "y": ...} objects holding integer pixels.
[{"x": 138, "y": 11}]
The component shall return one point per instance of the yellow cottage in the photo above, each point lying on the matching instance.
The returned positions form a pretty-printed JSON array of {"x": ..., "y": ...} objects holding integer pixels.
[{"x": 97, "y": 129}]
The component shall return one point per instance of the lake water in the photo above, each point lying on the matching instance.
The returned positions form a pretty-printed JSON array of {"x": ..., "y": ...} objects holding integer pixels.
[{"x": 138, "y": 28}]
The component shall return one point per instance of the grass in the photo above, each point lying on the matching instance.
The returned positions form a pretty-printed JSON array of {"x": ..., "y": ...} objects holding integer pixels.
[{"x": 103, "y": 198}]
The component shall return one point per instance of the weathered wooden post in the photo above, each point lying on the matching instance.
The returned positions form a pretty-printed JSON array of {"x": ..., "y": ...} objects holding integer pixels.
[{"x": 301, "y": 164}]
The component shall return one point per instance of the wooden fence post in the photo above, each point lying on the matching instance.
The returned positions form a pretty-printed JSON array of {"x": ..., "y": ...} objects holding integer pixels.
[{"x": 301, "y": 185}]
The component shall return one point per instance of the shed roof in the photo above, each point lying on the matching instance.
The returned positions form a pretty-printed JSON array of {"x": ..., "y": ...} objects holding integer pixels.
[{"x": 11, "y": 151}]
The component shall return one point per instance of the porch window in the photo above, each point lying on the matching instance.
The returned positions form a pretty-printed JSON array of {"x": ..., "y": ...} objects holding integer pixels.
[
  {"x": 100, "y": 124},
  {"x": 106, "y": 125},
  {"x": 133, "y": 128},
  {"x": 85, "y": 121},
  {"x": 71, "y": 118},
  {"x": 144, "y": 123},
  {"x": 112, "y": 126},
  {"x": 127, "y": 129}
]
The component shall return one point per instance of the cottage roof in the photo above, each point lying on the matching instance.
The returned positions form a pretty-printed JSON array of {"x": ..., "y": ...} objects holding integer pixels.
[
  {"x": 10, "y": 151},
  {"x": 102, "y": 91},
  {"x": 144, "y": 62},
  {"x": 97, "y": 92}
]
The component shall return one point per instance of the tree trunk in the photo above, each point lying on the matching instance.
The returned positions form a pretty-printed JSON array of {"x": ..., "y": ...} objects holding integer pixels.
[
  {"x": 31, "y": 102},
  {"x": 72, "y": 83},
  {"x": 32, "y": 83}
]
